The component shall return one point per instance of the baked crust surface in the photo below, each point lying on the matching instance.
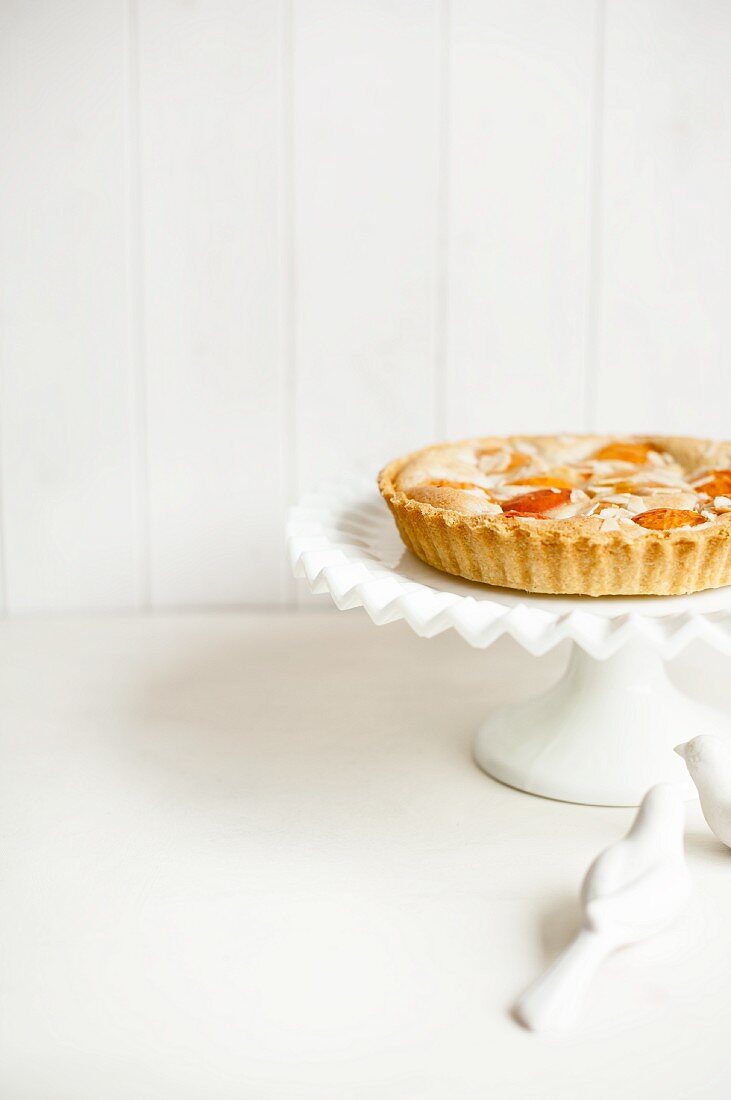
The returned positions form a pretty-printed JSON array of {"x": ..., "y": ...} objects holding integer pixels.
[{"x": 444, "y": 519}]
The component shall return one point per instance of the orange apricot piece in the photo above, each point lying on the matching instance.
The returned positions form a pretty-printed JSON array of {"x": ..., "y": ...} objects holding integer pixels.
[
  {"x": 636, "y": 453},
  {"x": 718, "y": 484},
  {"x": 536, "y": 503},
  {"x": 548, "y": 482},
  {"x": 667, "y": 519}
]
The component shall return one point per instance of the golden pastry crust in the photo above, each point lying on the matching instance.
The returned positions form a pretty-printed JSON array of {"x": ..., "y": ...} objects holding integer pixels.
[{"x": 446, "y": 524}]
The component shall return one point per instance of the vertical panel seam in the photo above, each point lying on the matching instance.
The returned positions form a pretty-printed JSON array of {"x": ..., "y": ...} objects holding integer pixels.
[
  {"x": 136, "y": 308},
  {"x": 4, "y": 595},
  {"x": 287, "y": 290},
  {"x": 4, "y": 350},
  {"x": 441, "y": 298},
  {"x": 595, "y": 229}
]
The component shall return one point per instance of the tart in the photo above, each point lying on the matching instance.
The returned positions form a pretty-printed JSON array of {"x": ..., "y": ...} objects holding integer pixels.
[{"x": 584, "y": 514}]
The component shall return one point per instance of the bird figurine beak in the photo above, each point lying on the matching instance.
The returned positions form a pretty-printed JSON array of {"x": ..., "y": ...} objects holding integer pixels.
[{"x": 680, "y": 749}]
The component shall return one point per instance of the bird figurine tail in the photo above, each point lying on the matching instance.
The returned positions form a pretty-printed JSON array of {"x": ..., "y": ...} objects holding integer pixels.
[{"x": 553, "y": 1002}]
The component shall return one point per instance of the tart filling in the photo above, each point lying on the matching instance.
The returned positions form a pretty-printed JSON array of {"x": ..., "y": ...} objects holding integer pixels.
[
  {"x": 620, "y": 482},
  {"x": 608, "y": 490}
]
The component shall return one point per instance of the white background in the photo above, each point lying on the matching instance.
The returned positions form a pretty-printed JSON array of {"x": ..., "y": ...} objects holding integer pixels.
[{"x": 245, "y": 244}]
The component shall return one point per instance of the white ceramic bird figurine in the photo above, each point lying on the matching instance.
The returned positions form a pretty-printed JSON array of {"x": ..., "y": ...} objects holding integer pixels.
[
  {"x": 708, "y": 759},
  {"x": 631, "y": 891}
]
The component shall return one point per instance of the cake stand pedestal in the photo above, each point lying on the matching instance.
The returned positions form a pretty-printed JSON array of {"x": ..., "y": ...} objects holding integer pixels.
[{"x": 605, "y": 732}]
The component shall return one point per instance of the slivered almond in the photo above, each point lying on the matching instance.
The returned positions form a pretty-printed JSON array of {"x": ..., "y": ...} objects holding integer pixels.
[
  {"x": 515, "y": 459},
  {"x": 444, "y": 483}
]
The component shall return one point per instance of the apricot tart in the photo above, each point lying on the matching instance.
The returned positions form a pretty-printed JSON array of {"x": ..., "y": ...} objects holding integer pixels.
[{"x": 593, "y": 515}]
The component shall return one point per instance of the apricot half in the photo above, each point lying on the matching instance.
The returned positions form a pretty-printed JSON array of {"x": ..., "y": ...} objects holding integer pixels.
[
  {"x": 718, "y": 484},
  {"x": 537, "y": 503},
  {"x": 636, "y": 453},
  {"x": 548, "y": 482},
  {"x": 666, "y": 519}
]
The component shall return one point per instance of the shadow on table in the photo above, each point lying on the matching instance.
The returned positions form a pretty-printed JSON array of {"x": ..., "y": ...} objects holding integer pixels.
[
  {"x": 320, "y": 706},
  {"x": 559, "y": 923},
  {"x": 701, "y": 843}
]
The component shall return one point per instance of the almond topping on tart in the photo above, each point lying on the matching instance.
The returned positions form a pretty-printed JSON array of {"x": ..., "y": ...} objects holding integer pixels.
[
  {"x": 667, "y": 519},
  {"x": 718, "y": 485},
  {"x": 457, "y": 500},
  {"x": 536, "y": 503},
  {"x": 635, "y": 453},
  {"x": 576, "y": 475},
  {"x": 515, "y": 458},
  {"x": 532, "y": 480},
  {"x": 444, "y": 483},
  {"x": 619, "y": 486}
]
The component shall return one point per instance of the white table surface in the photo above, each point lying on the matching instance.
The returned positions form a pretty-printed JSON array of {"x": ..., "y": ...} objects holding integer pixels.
[{"x": 248, "y": 856}]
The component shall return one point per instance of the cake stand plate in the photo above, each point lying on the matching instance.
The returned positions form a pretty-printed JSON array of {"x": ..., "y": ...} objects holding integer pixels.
[{"x": 606, "y": 731}]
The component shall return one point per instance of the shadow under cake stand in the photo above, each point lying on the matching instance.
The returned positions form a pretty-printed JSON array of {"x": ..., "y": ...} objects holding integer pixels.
[{"x": 605, "y": 732}]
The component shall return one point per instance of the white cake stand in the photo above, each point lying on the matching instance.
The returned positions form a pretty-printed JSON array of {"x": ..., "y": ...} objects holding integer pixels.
[{"x": 606, "y": 731}]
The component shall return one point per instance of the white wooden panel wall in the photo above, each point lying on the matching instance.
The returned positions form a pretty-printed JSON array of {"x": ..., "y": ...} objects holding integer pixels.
[
  {"x": 521, "y": 103},
  {"x": 67, "y": 443},
  {"x": 209, "y": 126},
  {"x": 365, "y": 190},
  {"x": 246, "y": 242},
  {"x": 665, "y": 336}
]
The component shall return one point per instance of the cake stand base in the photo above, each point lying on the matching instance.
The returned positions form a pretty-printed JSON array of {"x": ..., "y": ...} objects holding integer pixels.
[{"x": 601, "y": 736}]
